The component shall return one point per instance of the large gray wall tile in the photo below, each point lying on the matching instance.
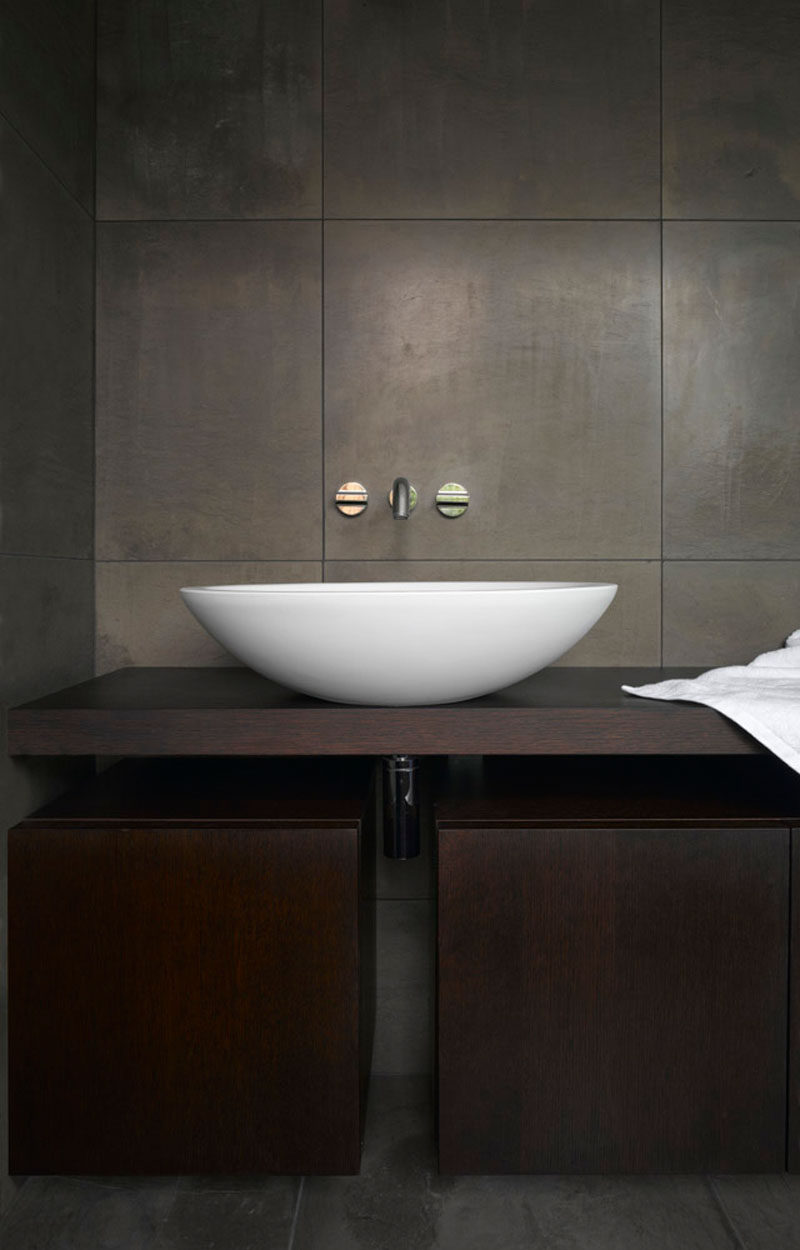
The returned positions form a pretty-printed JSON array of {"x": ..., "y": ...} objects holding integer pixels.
[
  {"x": 47, "y": 85},
  {"x": 46, "y": 378},
  {"x": 208, "y": 391},
  {"x": 628, "y": 633},
  {"x": 46, "y": 625},
  {"x": 518, "y": 358},
  {"x": 502, "y": 110},
  {"x": 731, "y": 380},
  {"x": 141, "y": 618},
  {"x": 209, "y": 110},
  {"x": 727, "y": 612},
  {"x": 731, "y": 109}
]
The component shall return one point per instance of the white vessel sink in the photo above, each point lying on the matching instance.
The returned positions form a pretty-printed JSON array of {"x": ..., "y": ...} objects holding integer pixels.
[{"x": 399, "y": 643}]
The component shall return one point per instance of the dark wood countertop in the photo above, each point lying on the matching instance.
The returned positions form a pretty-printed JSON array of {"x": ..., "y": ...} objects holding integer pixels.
[{"x": 233, "y": 711}]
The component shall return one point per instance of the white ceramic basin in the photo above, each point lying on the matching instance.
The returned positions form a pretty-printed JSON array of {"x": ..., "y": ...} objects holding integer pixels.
[{"x": 399, "y": 643}]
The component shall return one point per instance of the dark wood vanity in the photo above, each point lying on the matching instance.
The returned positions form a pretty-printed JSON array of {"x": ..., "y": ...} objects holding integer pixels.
[{"x": 191, "y": 941}]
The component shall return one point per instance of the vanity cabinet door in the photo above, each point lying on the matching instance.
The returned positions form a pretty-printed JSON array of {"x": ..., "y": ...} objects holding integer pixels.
[
  {"x": 612, "y": 1000},
  {"x": 184, "y": 1000},
  {"x": 793, "y": 1148}
]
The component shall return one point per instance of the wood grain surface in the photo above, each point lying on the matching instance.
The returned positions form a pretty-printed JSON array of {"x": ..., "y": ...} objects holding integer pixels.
[
  {"x": 233, "y": 711},
  {"x": 190, "y": 998},
  {"x": 612, "y": 1000}
]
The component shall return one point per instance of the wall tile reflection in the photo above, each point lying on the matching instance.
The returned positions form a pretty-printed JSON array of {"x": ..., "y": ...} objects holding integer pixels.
[
  {"x": 46, "y": 417},
  {"x": 209, "y": 110},
  {"x": 520, "y": 359},
  {"x": 628, "y": 633},
  {"x": 731, "y": 109},
  {"x": 141, "y": 618},
  {"x": 47, "y": 86},
  {"x": 731, "y": 381},
  {"x": 208, "y": 421},
  {"x": 728, "y": 611},
  {"x": 502, "y": 110}
]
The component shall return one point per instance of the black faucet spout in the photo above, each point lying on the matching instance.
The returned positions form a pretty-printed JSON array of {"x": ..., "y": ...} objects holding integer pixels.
[{"x": 401, "y": 499}]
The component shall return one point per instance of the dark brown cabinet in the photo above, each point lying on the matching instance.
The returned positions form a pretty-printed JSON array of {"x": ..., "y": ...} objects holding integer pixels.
[
  {"x": 191, "y": 953},
  {"x": 612, "y": 971}
]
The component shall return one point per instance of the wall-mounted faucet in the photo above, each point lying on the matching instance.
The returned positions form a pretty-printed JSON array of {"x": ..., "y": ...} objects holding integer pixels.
[{"x": 403, "y": 499}]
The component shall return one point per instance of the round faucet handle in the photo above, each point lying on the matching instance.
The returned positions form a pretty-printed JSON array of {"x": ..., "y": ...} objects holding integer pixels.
[
  {"x": 452, "y": 499},
  {"x": 351, "y": 498}
]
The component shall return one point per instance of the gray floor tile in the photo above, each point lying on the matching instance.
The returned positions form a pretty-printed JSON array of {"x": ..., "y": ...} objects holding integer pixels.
[
  {"x": 764, "y": 1210},
  {"x": 399, "y": 1202},
  {"x": 68, "y": 1213},
  {"x": 236, "y": 1213},
  {"x": 580, "y": 1213},
  {"x": 404, "y": 1011},
  {"x": 394, "y": 1202}
]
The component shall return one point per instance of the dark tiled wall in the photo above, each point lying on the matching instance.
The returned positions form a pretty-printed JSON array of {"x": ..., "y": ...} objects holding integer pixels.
[
  {"x": 46, "y": 389},
  {"x": 548, "y": 249}
]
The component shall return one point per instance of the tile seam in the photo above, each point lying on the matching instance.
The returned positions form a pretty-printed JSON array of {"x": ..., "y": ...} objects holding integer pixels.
[
  {"x": 730, "y": 1227},
  {"x": 46, "y": 165},
  {"x": 296, "y": 1214}
]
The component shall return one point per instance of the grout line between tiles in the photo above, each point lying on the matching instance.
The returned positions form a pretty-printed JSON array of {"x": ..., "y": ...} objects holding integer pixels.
[
  {"x": 661, "y": 310},
  {"x": 95, "y": 303},
  {"x": 296, "y": 1214},
  {"x": 323, "y": 457},
  {"x": 722, "y": 1210},
  {"x": 310, "y": 220},
  {"x": 41, "y": 555},
  {"x": 448, "y": 559}
]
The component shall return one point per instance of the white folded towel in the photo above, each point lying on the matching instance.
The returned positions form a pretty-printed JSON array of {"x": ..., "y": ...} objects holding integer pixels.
[{"x": 763, "y": 697}]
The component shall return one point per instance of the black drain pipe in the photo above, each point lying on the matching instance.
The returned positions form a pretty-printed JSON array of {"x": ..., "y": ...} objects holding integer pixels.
[{"x": 400, "y": 807}]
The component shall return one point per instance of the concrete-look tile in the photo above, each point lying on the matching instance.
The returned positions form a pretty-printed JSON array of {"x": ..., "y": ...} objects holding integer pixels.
[
  {"x": 209, "y": 110},
  {"x": 628, "y": 633},
  {"x": 47, "y": 86},
  {"x": 46, "y": 625},
  {"x": 520, "y": 359},
  {"x": 208, "y": 391},
  {"x": 141, "y": 618},
  {"x": 394, "y": 1202},
  {"x": 731, "y": 377},
  {"x": 730, "y": 611},
  {"x": 404, "y": 1012},
  {"x": 731, "y": 109},
  {"x": 213, "y": 1213},
  {"x": 67, "y": 1213},
  {"x": 502, "y": 110},
  {"x": 47, "y": 279},
  {"x": 764, "y": 1210},
  {"x": 567, "y": 1212},
  {"x": 399, "y": 1202}
]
